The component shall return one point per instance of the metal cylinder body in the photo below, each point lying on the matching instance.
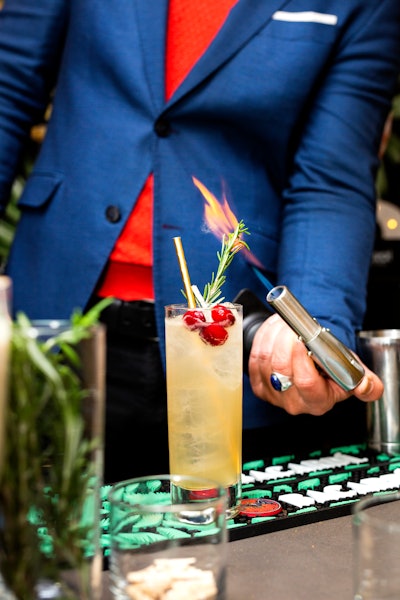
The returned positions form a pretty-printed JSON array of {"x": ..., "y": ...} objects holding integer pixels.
[
  {"x": 380, "y": 350},
  {"x": 326, "y": 350}
]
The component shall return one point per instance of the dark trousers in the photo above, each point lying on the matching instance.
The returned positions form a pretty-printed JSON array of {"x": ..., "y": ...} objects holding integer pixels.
[{"x": 136, "y": 433}]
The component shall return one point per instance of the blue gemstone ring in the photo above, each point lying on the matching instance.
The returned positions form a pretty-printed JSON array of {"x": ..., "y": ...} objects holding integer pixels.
[{"x": 280, "y": 382}]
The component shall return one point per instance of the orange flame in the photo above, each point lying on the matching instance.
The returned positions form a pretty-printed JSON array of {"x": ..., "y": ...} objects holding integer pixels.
[{"x": 220, "y": 218}]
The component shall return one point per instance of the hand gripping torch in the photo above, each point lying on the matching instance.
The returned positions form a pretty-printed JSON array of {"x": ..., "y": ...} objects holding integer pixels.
[{"x": 330, "y": 355}]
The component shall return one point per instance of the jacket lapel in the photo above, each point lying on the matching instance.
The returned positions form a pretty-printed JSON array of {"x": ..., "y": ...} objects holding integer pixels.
[
  {"x": 244, "y": 21},
  {"x": 151, "y": 17}
]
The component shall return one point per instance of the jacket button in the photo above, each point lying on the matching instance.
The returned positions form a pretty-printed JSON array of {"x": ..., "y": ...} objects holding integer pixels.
[
  {"x": 113, "y": 214},
  {"x": 162, "y": 127}
]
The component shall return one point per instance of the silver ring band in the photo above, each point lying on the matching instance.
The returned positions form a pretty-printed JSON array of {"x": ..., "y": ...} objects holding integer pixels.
[{"x": 280, "y": 382}]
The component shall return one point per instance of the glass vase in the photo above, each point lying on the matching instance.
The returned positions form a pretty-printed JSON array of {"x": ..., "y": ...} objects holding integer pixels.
[
  {"x": 5, "y": 343},
  {"x": 53, "y": 465},
  {"x": 5, "y": 339}
]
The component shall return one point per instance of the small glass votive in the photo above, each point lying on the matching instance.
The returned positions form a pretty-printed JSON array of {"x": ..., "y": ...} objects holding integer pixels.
[{"x": 165, "y": 544}]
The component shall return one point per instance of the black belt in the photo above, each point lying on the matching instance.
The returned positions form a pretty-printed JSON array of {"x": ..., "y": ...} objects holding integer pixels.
[{"x": 135, "y": 319}]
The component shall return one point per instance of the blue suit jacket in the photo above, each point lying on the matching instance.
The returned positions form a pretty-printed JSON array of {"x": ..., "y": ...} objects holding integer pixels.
[{"x": 283, "y": 113}]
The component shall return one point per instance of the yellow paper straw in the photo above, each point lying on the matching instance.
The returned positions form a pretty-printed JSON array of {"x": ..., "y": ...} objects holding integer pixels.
[{"x": 184, "y": 272}]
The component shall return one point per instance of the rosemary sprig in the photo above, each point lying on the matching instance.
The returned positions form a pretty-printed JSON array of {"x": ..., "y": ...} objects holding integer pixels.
[
  {"x": 231, "y": 244},
  {"x": 49, "y": 470}
]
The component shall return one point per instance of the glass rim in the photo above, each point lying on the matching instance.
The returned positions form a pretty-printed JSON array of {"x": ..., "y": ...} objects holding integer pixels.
[
  {"x": 169, "y": 508},
  {"x": 381, "y": 335},
  {"x": 360, "y": 513},
  {"x": 183, "y": 306},
  {"x": 50, "y": 323},
  {"x": 55, "y": 325}
]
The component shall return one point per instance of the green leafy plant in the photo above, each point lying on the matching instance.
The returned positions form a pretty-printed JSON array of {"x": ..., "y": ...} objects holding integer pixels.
[{"x": 48, "y": 458}]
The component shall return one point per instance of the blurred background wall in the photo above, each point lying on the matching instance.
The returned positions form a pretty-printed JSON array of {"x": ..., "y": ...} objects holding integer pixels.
[{"x": 383, "y": 308}]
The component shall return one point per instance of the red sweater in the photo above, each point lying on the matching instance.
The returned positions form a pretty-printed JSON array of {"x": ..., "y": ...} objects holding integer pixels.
[{"x": 192, "y": 25}]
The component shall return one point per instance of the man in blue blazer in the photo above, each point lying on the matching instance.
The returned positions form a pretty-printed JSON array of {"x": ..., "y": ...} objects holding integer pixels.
[{"x": 283, "y": 113}]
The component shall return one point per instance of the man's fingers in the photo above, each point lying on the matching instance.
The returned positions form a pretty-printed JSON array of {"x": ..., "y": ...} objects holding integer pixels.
[{"x": 370, "y": 387}]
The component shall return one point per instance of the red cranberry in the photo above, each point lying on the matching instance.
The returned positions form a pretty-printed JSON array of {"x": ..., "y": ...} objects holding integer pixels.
[
  {"x": 214, "y": 334},
  {"x": 223, "y": 315},
  {"x": 193, "y": 319}
]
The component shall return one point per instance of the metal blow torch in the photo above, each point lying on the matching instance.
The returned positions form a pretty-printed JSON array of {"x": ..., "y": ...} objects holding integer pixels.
[{"x": 330, "y": 354}]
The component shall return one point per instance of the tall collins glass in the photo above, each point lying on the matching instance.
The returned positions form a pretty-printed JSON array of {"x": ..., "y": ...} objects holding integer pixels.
[{"x": 204, "y": 390}]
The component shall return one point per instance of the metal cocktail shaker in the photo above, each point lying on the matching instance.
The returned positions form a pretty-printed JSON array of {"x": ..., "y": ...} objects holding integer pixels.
[{"x": 380, "y": 350}]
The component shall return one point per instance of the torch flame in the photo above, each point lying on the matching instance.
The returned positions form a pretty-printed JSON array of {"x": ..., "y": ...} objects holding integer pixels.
[
  {"x": 221, "y": 220},
  {"x": 219, "y": 217}
]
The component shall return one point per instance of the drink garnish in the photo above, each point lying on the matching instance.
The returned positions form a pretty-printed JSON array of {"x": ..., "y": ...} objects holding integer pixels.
[
  {"x": 222, "y": 315},
  {"x": 212, "y": 330},
  {"x": 194, "y": 318},
  {"x": 231, "y": 244},
  {"x": 214, "y": 334}
]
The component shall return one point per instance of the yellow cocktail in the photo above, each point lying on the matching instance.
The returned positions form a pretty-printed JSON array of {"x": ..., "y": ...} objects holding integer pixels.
[{"x": 204, "y": 388}]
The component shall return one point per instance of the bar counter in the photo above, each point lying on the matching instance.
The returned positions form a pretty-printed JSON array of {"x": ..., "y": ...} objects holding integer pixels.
[
  {"x": 310, "y": 562},
  {"x": 304, "y": 562}
]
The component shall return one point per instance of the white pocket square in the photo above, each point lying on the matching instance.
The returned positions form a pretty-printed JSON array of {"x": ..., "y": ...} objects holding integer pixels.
[{"x": 308, "y": 16}]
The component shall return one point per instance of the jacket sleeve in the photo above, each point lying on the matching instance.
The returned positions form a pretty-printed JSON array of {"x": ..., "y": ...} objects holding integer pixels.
[
  {"x": 329, "y": 215},
  {"x": 31, "y": 42}
]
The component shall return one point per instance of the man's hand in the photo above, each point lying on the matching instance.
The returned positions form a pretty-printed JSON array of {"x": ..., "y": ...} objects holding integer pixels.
[{"x": 276, "y": 348}]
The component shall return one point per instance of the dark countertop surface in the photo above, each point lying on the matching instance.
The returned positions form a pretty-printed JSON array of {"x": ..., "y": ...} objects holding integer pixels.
[{"x": 310, "y": 562}]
